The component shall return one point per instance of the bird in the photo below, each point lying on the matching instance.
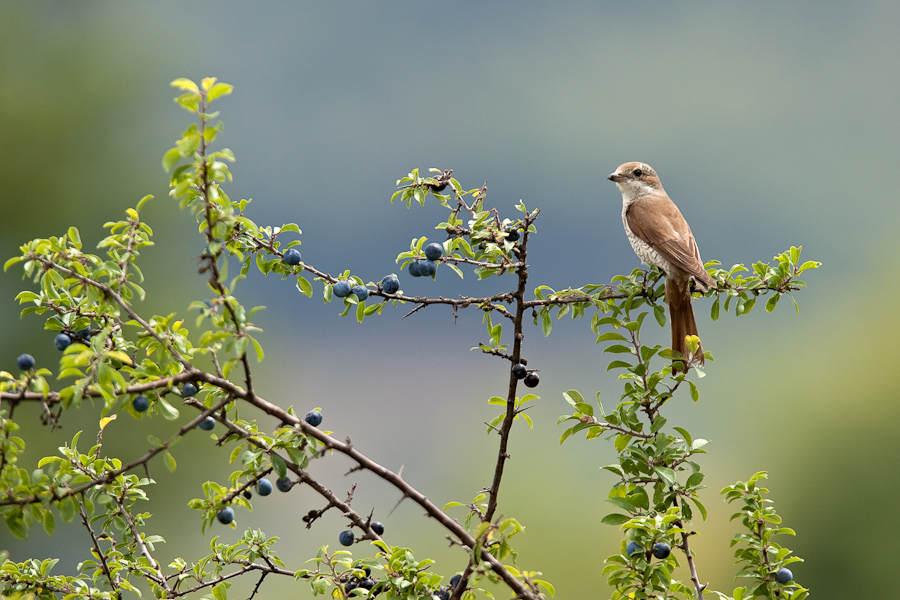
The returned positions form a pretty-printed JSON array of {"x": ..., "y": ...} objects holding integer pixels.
[{"x": 662, "y": 238}]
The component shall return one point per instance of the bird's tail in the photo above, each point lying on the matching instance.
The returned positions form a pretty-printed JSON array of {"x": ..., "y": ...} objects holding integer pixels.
[{"x": 681, "y": 315}]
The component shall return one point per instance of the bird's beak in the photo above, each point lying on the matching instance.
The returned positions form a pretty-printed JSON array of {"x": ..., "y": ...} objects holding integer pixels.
[{"x": 616, "y": 178}]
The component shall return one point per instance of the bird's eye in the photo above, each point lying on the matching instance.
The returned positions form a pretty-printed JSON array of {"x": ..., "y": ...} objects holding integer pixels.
[{"x": 638, "y": 173}]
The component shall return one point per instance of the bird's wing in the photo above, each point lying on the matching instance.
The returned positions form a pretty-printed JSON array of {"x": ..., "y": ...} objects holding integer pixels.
[{"x": 657, "y": 221}]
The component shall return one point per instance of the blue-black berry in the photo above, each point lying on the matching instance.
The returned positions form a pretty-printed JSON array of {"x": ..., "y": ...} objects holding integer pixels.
[
  {"x": 367, "y": 584},
  {"x": 207, "y": 424},
  {"x": 346, "y": 538},
  {"x": 512, "y": 234},
  {"x": 263, "y": 487},
  {"x": 25, "y": 362},
  {"x": 415, "y": 268},
  {"x": 283, "y": 485},
  {"x": 62, "y": 341},
  {"x": 390, "y": 284},
  {"x": 360, "y": 291},
  {"x": 519, "y": 371},
  {"x": 427, "y": 268},
  {"x": 291, "y": 256},
  {"x": 377, "y": 527},
  {"x": 226, "y": 515},
  {"x": 341, "y": 289},
  {"x": 661, "y": 550},
  {"x": 314, "y": 418},
  {"x": 784, "y": 575},
  {"x": 455, "y": 580},
  {"x": 633, "y": 547},
  {"x": 247, "y": 494},
  {"x": 532, "y": 379},
  {"x": 434, "y": 251},
  {"x": 443, "y": 594},
  {"x": 188, "y": 390},
  {"x": 140, "y": 403}
]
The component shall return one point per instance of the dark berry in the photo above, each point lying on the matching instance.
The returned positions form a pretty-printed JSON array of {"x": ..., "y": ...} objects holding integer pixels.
[
  {"x": 427, "y": 268},
  {"x": 346, "y": 538},
  {"x": 25, "y": 362},
  {"x": 360, "y": 291},
  {"x": 443, "y": 594},
  {"x": 341, "y": 289},
  {"x": 512, "y": 234},
  {"x": 437, "y": 187},
  {"x": 633, "y": 547},
  {"x": 188, "y": 390},
  {"x": 351, "y": 585},
  {"x": 84, "y": 334},
  {"x": 532, "y": 379},
  {"x": 291, "y": 256},
  {"x": 360, "y": 567},
  {"x": 784, "y": 575},
  {"x": 377, "y": 527},
  {"x": 207, "y": 424},
  {"x": 247, "y": 494},
  {"x": 314, "y": 418},
  {"x": 62, "y": 341},
  {"x": 263, "y": 487},
  {"x": 415, "y": 268},
  {"x": 367, "y": 584},
  {"x": 283, "y": 485},
  {"x": 661, "y": 550},
  {"x": 390, "y": 284},
  {"x": 226, "y": 515},
  {"x": 434, "y": 251},
  {"x": 140, "y": 403},
  {"x": 455, "y": 580},
  {"x": 519, "y": 371}
]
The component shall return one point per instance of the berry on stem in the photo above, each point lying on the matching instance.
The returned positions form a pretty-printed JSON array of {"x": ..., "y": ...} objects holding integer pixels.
[
  {"x": 377, "y": 527},
  {"x": 283, "y": 485},
  {"x": 519, "y": 371},
  {"x": 360, "y": 291},
  {"x": 784, "y": 575},
  {"x": 314, "y": 418},
  {"x": 62, "y": 341},
  {"x": 341, "y": 289},
  {"x": 434, "y": 251},
  {"x": 291, "y": 256},
  {"x": 226, "y": 515},
  {"x": 263, "y": 487},
  {"x": 390, "y": 284},
  {"x": 25, "y": 362},
  {"x": 661, "y": 550},
  {"x": 346, "y": 538},
  {"x": 532, "y": 379},
  {"x": 633, "y": 547},
  {"x": 140, "y": 403},
  {"x": 207, "y": 424},
  {"x": 188, "y": 390}
]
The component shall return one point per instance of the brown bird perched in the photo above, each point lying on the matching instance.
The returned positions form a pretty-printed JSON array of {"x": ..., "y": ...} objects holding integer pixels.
[{"x": 662, "y": 238}]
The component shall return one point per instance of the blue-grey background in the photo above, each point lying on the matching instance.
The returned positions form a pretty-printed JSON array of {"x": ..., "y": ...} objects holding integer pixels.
[{"x": 770, "y": 124}]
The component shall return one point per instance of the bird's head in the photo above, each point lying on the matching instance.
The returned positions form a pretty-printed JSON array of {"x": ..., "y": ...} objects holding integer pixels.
[{"x": 635, "y": 179}]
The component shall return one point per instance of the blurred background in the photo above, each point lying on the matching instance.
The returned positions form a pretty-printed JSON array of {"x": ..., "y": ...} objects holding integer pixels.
[{"x": 770, "y": 125}]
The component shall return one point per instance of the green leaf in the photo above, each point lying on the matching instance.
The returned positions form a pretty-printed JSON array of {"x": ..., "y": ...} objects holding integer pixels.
[
  {"x": 770, "y": 304},
  {"x": 611, "y": 335},
  {"x": 622, "y": 503},
  {"x": 169, "y": 412},
  {"x": 170, "y": 461},
  {"x": 714, "y": 311},
  {"x": 666, "y": 474},
  {"x": 614, "y": 519},
  {"x": 279, "y": 466}
]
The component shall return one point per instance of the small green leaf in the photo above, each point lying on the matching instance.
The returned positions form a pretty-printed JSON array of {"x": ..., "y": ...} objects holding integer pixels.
[
  {"x": 614, "y": 519},
  {"x": 170, "y": 461},
  {"x": 279, "y": 466}
]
